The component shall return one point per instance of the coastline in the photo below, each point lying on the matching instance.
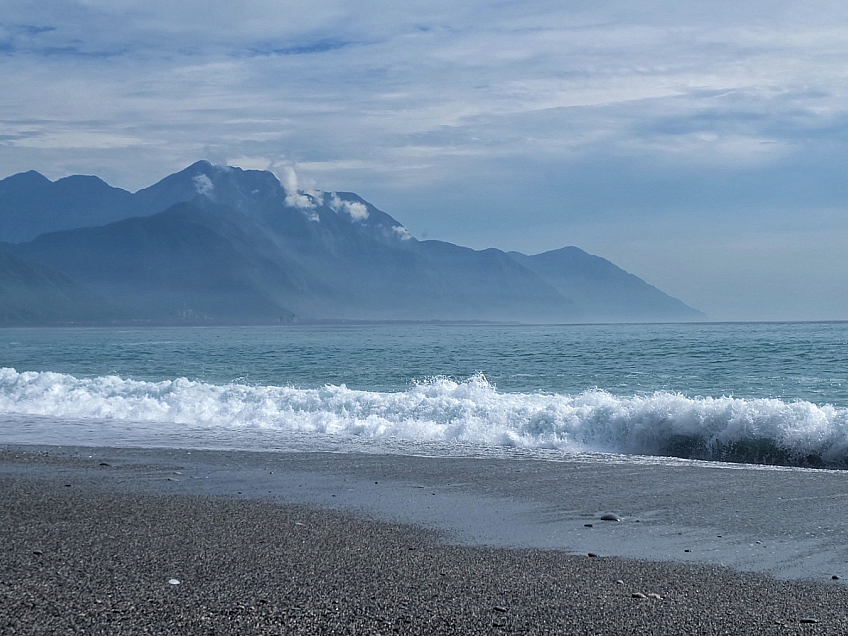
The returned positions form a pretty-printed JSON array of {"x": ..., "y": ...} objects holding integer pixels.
[{"x": 308, "y": 543}]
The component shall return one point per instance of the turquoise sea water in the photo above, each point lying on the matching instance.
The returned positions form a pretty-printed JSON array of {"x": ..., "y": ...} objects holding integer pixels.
[{"x": 767, "y": 392}]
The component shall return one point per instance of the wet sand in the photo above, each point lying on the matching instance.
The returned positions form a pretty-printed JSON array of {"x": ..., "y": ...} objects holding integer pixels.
[{"x": 308, "y": 543}]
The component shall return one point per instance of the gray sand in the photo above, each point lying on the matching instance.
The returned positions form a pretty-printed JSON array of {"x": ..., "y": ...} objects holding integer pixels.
[
  {"x": 787, "y": 523},
  {"x": 96, "y": 556}
]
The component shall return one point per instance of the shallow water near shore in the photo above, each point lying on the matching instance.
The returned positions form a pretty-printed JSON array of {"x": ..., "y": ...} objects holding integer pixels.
[{"x": 764, "y": 393}]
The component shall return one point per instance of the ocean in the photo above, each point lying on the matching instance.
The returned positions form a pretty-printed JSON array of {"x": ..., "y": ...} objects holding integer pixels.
[{"x": 769, "y": 393}]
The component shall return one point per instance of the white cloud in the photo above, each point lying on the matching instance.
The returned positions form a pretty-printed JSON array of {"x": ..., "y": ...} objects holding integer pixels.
[
  {"x": 402, "y": 232},
  {"x": 295, "y": 197},
  {"x": 146, "y": 74},
  {"x": 203, "y": 185},
  {"x": 356, "y": 210},
  {"x": 42, "y": 138}
]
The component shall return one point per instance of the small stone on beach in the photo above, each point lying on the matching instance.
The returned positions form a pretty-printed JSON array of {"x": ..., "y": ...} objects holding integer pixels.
[
  {"x": 638, "y": 595},
  {"x": 499, "y": 608},
  {"x": 808, "y": 620},
  {"x": 37, "y": 552},
  {"x": 592, "y": 554},
  {"x": 655, "y": 595},
  {"x": 835, "y": 577},
  {"x": 174, "y": 581},
  {"x": 588, "y": 525},
  {"x": 610, "y": 517}
]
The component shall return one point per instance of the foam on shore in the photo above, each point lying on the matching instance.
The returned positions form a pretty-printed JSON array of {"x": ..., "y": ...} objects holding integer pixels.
[{"x": 763, "y": 430}]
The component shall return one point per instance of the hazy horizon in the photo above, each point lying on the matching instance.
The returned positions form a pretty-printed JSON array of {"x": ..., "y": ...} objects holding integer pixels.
[{"x": 700, "y": 147}]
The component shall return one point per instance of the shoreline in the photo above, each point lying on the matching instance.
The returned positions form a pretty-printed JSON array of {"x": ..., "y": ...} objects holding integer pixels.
[
  {"x": 426, "y": 549},
  {"x": 788, "y": 523}
]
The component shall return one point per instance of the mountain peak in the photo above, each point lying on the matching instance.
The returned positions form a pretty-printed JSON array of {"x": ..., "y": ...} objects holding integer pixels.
[
  {"x": 226, "y": 185},
  {"x": 203, "y": 164},
  {"x": 28, "y": 179}
]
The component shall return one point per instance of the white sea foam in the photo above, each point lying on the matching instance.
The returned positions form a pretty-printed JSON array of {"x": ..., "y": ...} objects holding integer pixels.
[{"x": 443, "y": 410}]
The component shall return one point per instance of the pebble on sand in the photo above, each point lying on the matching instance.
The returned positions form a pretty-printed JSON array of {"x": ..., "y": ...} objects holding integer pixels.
[
  {"x": 638, "y": 595},
  {"x": 809, "y": 620},
  {"x": 174, "y": 581},
  {"x": 610, "y": 517}
]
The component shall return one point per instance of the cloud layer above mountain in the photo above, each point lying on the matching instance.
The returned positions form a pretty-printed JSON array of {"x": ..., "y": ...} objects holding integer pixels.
[{"x": 701, "y": 144}]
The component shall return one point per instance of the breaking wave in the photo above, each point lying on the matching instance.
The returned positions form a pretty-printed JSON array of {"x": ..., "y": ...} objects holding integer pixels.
[{"x": 472, "y": 411}]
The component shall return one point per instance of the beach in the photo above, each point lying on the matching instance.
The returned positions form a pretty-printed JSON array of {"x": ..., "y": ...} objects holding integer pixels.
[{"x": 130, "y": 541}]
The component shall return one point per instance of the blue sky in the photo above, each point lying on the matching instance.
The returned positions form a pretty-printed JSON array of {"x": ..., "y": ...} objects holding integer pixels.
[{"x": 700, "y": 145}]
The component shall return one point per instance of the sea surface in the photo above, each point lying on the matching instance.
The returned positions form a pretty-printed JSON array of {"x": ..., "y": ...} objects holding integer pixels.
[{"x": 771, "y": 393}]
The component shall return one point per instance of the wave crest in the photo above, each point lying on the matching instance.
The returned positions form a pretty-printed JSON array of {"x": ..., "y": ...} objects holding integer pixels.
[{"x": 470, "y": 411}]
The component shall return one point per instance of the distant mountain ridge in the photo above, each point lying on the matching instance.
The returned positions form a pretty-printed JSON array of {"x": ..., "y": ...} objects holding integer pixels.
[
  {"x": 222, "y": 244},
  {"x": 31, "y": 204},
  {"x": 600, "y": 287}
]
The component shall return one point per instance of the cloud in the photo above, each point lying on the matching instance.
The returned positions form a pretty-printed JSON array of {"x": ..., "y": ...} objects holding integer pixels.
[
  {"x": 203, "y": 185},
  {"x": 355, "y": 209},
  {"x": 525, "y": 125},
  {"x": 319, "y": 46},
  {"x": 373, "y": 93},
  {"x": 402, "y": 233},
  {"x": 294, "y": 197}
]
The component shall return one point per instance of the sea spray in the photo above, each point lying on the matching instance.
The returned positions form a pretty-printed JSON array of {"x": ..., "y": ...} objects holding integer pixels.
[{"x": 470, "y": 411}]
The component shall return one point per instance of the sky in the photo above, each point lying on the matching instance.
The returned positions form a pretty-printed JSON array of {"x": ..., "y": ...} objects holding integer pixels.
[{"x": 700, "y": 145}]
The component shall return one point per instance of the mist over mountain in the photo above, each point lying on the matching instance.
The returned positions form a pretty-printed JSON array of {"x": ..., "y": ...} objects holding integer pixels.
[
  {"x": 34, "y": 294},
  {"x": 222, "y": 244},
  {"x": 604, "y": 291}
]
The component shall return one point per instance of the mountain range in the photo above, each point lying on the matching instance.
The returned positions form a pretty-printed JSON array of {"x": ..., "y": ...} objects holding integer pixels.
[{"x": 218, "y": 244}]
